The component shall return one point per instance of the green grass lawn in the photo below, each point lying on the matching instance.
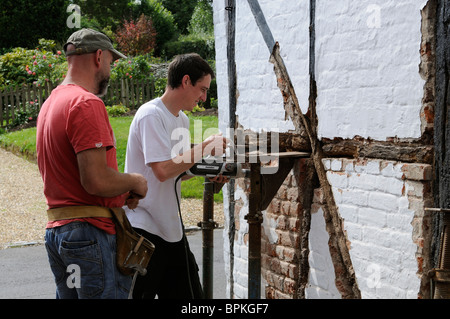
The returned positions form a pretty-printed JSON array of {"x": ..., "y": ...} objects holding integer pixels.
[{"x": 201, "y": 127}]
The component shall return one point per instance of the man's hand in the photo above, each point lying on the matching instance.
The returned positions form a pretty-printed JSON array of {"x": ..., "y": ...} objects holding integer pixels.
[
  {"x": 220, "y": 179},
  {"x": 139, "y": 191},
  {"x": 140, "y": 186},
  {"x": 215, "y": 145},
  {"x": 133, "y": 200}
]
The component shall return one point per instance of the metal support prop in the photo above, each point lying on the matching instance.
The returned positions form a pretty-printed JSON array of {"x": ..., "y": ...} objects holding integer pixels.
[
  {"x": 263, "y": 188},
  {"x": 254, "y": 219},
  {"x": 440, "y": 276},
  {"x": 207, "y": 226}
]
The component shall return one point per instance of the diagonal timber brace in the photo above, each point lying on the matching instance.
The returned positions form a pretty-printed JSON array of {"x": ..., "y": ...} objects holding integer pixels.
[{"x": 344, "y": 272}]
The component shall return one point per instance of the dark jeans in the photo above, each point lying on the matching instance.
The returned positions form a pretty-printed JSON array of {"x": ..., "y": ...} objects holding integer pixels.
[
  {"x": 83, "y": 261},
  {"x": 169, "y": 276}
]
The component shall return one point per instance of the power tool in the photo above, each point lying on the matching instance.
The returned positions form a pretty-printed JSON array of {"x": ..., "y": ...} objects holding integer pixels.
[{"x": 213, "y": 167}]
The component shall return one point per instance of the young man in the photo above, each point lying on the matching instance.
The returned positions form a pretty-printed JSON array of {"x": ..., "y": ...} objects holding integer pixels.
[
  {"x": 77, "y": 159},
  {"x": 153, "y": 150}
]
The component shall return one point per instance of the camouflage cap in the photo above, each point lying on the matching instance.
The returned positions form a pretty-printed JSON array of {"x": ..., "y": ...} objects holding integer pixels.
[{"x": 89, "y": 41}]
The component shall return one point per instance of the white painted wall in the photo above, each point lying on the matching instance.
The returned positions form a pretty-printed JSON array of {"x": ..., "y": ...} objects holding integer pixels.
[
  {"x": 376, "y": 202},
  {"x": 367, "y": 55},
  {"x": 367, "y": 66}
]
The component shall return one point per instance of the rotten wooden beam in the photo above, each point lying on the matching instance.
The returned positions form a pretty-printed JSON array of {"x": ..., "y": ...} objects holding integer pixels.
[
  {"x": 401, "y": 151},
  {"x": 345, "y": 275}
]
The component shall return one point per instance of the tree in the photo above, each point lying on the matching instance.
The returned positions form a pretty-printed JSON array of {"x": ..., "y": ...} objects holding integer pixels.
[
  {"x": 162, "y": 19},
  {"x": 182, "y": 11},
  {"x": 137, "y": 38},
  {"x": 24, "y": 22},
  {"x": 105, "y": 12},
  {"x": 201, "y": 23}
]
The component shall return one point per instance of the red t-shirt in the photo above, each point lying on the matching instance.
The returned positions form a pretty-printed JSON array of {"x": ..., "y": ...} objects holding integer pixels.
[{"x": 72, "y": 120}]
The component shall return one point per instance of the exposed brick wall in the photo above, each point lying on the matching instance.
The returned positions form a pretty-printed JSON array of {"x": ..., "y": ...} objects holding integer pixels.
[{"x": 280, "y": 256}]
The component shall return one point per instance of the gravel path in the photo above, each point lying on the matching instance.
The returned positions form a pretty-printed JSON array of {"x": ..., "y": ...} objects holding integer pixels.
[{"x": 23, "y": 207}]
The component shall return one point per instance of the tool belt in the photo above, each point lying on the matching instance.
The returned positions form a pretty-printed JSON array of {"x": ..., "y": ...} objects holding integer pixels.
[{"x": 133, "y": 250}]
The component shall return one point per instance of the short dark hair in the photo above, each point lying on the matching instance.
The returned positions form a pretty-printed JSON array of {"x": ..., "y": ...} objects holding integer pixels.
[{"x": 190, "y": 64}]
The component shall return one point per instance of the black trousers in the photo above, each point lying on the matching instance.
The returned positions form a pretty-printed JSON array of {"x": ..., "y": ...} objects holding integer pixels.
[{"x": 171, "y": 274}]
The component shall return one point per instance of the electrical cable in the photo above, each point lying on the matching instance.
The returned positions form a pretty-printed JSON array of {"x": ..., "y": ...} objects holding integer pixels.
[{"x": 184, "y": 235}]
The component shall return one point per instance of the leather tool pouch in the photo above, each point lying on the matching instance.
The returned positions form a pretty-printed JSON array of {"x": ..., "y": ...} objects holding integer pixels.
[{"x": 133, "y": 250}]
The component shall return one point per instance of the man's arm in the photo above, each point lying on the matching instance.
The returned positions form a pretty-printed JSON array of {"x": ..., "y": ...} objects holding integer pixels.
[
  {"x": 213, "y": 145},
  {"x": 99, "y": 179}
]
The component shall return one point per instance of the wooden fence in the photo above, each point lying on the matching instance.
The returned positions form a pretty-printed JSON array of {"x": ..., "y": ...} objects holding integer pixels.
[
  {"x": 129, "y": 92},
  {"x": 29, "y": 98}
]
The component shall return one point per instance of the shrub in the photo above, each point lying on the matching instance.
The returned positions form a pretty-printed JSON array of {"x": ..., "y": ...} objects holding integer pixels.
[
  {"x": 135, "y": 38},
  {"x": 190, "y": 43},
  {"x": 160, "y": 86},
  {"x": 196, "y": 109},
  {"x": 38, "y": 65},
  {"x": 136, "y": 67},
  {"x": 25, "y": 116},
  {"x": 117, "y": 110}
]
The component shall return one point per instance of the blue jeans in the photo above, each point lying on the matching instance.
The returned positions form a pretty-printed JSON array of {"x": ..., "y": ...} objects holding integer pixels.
[{"x": 83, "y": 261}]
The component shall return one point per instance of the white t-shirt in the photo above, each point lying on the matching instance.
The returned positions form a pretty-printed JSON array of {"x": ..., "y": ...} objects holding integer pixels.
[{"x": 156, "y": 135}]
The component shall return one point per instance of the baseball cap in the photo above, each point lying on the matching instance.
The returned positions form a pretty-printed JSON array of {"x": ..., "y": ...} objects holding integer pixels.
[{"x": 88, "y": 41}]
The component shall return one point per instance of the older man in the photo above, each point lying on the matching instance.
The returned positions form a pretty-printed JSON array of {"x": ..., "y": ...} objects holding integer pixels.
[{"x": 77, "y": 159}]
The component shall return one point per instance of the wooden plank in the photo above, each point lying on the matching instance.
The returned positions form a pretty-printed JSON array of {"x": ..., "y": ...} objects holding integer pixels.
[
  {"x": 132, "y": 90},
  {"x": 441, "y": 126},
  {"x": 254, "y": 156},
  {"x": 2, "y": 107},
  {"x": 10, "y": 105}
]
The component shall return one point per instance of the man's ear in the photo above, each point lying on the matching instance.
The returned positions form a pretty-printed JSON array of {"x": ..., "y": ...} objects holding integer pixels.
[
  {"x": 185, "y": 81},
  {"x": 98, "y": 57}
]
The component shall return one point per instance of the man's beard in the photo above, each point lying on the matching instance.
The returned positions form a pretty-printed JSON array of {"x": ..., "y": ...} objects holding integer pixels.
[{"x": 103, "y": 84}]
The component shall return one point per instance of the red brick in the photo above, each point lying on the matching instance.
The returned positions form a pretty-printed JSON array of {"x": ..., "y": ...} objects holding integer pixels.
[
  {"x": 283, "y": 222},
  {"x": 290, "y": 254},
  {"x": 295, "y": 209},
  {"x": 293, "y": 194},
  {"x": 282, "y": 192},
  {"x": 285, "y": 207},
  {"x": 289, "y": 286}
]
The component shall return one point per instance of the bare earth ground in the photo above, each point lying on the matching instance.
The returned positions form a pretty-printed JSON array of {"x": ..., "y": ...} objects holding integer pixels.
[{"x": 23, "y": 208}]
